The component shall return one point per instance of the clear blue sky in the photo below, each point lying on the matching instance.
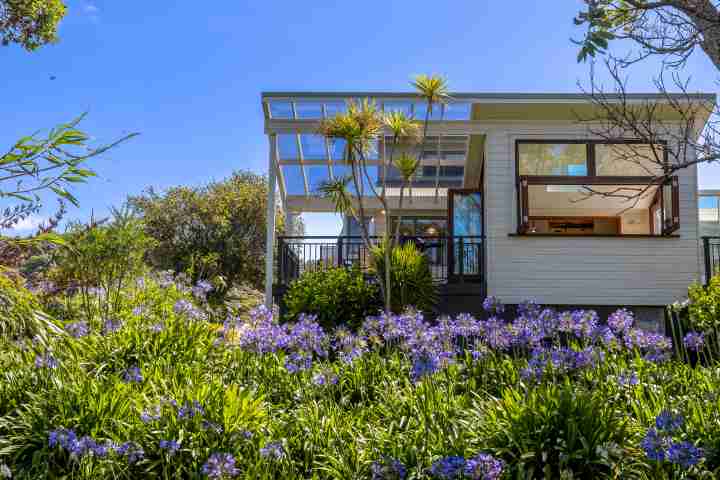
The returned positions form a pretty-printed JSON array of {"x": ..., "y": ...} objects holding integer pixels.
[{"x": 188, "y": 75}]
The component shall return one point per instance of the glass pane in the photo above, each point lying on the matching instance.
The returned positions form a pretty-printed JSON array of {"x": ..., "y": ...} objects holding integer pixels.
[
  {"x": 337, "y": 149},
  {"x": 457, "y": 111},
  {"x": 340, "y": 171},
  {"x": 708, "y": 209},
  {"x": 294, "y": 183},
  {"x": 467, "y": 214},
  {"x": 281, "y": 109},
  {"x": 708, "y": 202},
  {"x": 308, "y": 110},
  {"x": 313, "y": 146},
  {"x": 565, "y": 159},
  {"x": 287, "y": 146},
  {"x": 629, "y": 160},
  {"x": 667, "y": 204},
  {"x": 333, "y": 108},
  {"x": 431, "y": 227},
  {"x": 421, "y": 110},
  {"x": 374, "y": 153},
  {"x": 398, "y": 106},
  {"x": 371, "y": 177},
  {"x": 316, "y": 175}
]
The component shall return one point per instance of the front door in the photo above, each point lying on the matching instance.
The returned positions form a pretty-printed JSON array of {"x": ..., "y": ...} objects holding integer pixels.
[{"x": 465, "y": 245}]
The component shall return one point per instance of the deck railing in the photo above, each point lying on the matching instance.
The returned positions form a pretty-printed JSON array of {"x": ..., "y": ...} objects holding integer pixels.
[
  {"x": 711, "y": 250},
  {"x": 459, "y": 258}
]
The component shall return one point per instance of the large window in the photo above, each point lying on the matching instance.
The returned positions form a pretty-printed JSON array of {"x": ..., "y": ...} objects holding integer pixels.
[{"x": 589, "y": 188}]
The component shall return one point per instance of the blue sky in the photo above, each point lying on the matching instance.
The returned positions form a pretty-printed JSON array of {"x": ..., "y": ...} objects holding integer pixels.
[{"x": 188, "y": 76}]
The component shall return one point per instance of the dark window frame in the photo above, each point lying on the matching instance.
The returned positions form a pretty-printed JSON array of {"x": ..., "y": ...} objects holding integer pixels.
[{"x": 522, "y": 182}]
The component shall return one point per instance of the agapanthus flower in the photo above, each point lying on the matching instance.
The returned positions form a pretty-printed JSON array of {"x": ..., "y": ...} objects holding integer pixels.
[
  {"x": 448, "y": 468},
  {"x": 172, "y": 446},
  {"x": 201, "y": 289},
  {"x": 655, "y": 445},
  {"x": 220, "y": 466},
  {"x": 157, "y": 327},
  {"x": 325, "y": 378},
  {"x": 297, "y": 362},
  {"x": 684, "y": 454},
  {"x": 151, "y": 415},
  {"x": 190, "y": 410},
  {"x": 424, "y": 365},
  {"x": 388, "y": 468},
  {"x": 138, "y": 311},
  {"x": 630, "y": 378},
  {"x": 493, "y": 306},
  {"x": 668, "y": 422},
  {"x": 620, "y": 321},
  {"x": 111, "y": 326},
  {"x": 273, "y": 451},
  {"x": 77, "y": 329},
  {"x": 483, "y": 467},
  {"x": 132, "y": 375},
  {"x": 694, "y": 341},
  {"x": 46, "y": 360},
  {"x": 528, "y": 309},
  {"x": 131, "y": 451}
]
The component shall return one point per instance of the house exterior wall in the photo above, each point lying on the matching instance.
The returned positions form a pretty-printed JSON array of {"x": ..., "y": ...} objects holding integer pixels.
[{"x": 576, "y": 270}]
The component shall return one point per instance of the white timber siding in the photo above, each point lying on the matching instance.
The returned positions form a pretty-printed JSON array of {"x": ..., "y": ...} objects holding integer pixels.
[{"x": 576, "y": 270}]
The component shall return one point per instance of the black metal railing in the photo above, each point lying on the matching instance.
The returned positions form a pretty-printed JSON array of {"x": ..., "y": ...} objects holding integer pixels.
[
  {"x": 711, "y": 250},
  {"x": 451, "y": 259}
]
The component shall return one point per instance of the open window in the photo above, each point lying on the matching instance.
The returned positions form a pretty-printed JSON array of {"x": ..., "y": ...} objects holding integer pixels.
[{"x": 594, "y": 188}]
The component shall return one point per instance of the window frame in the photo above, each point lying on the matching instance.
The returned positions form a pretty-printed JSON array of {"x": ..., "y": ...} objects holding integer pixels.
[{"x": 523, "y": 181}]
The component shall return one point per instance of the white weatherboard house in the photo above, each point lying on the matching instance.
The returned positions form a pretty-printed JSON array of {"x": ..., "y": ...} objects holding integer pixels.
[{"x": 508, "y": 220}]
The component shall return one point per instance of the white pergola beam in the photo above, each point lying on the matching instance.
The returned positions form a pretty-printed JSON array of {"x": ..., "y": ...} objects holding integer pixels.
[{"x": 270, "y": 224}]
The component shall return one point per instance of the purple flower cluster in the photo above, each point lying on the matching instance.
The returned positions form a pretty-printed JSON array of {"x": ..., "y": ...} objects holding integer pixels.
[
  {"x": 432, "y": 347},
  {"x": 388, "y": 468},
  {"x": 190, "y": 410},
  {"x": 694, "y": 341},
  {"x": 132, "y": 375},
  {"x": 220, "y": 466},
  {"x": 325, "y": 378},
  {"x": 151, "y": 415},
  {"x": 660, "y": 446},
  {"x": 621, "y": 321},
  {"x": 79, "y": 447},
  {"x": 273, "y": 451},
  {"x": 201, "y": 289},
  {"x": 187, "y": 309},
  {"x": 172, "y": 446},
  {"x": 77, "y": 329},
  {"x": 111, "y": 326},
  {"x": 493, "y": 306},
  {"x": 560, "y": 360},
  {"x": 46, "y": 360},
  {"x": 480, "y": 467}
]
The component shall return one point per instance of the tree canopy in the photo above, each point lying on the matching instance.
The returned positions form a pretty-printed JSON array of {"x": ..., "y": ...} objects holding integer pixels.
[{"x": 30, "y": 23}]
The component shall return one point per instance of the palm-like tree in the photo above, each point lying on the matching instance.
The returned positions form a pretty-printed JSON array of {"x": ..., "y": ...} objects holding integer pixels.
[
  {"x": 360, "y": 126},
  {"x": 434, "y": 90}
]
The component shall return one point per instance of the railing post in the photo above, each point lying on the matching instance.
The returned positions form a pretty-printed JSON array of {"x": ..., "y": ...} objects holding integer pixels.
[
  {"x": 708, "y": 263},
  {"x": 281, "y": 261},
  {"x": 340, "y": 252},
  {"x": 462, "y": 258}
]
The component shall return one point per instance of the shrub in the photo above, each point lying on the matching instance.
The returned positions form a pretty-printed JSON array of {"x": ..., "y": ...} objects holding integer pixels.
[
  {"x": 551, "y": 431},
  {"x": 337, "y": 296},
  {"x": 20, "y": 312},
  {"x": 103, "y": 259},
  {"x": 410, "y": 277},
  {"x": 208, "y": 231}
]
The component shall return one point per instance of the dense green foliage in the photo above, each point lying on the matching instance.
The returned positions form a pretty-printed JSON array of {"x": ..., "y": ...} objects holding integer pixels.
[
  {"x": 216, "y": 231},
  {"x": 337, "y": 296},
  {"x": 101, "y": 257},
  {"x": 20, "y": 313},
  {"x": 158, "y": 371},
  {"x": 30, "y": 23},
  {"x": 410, "y": 277}
]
